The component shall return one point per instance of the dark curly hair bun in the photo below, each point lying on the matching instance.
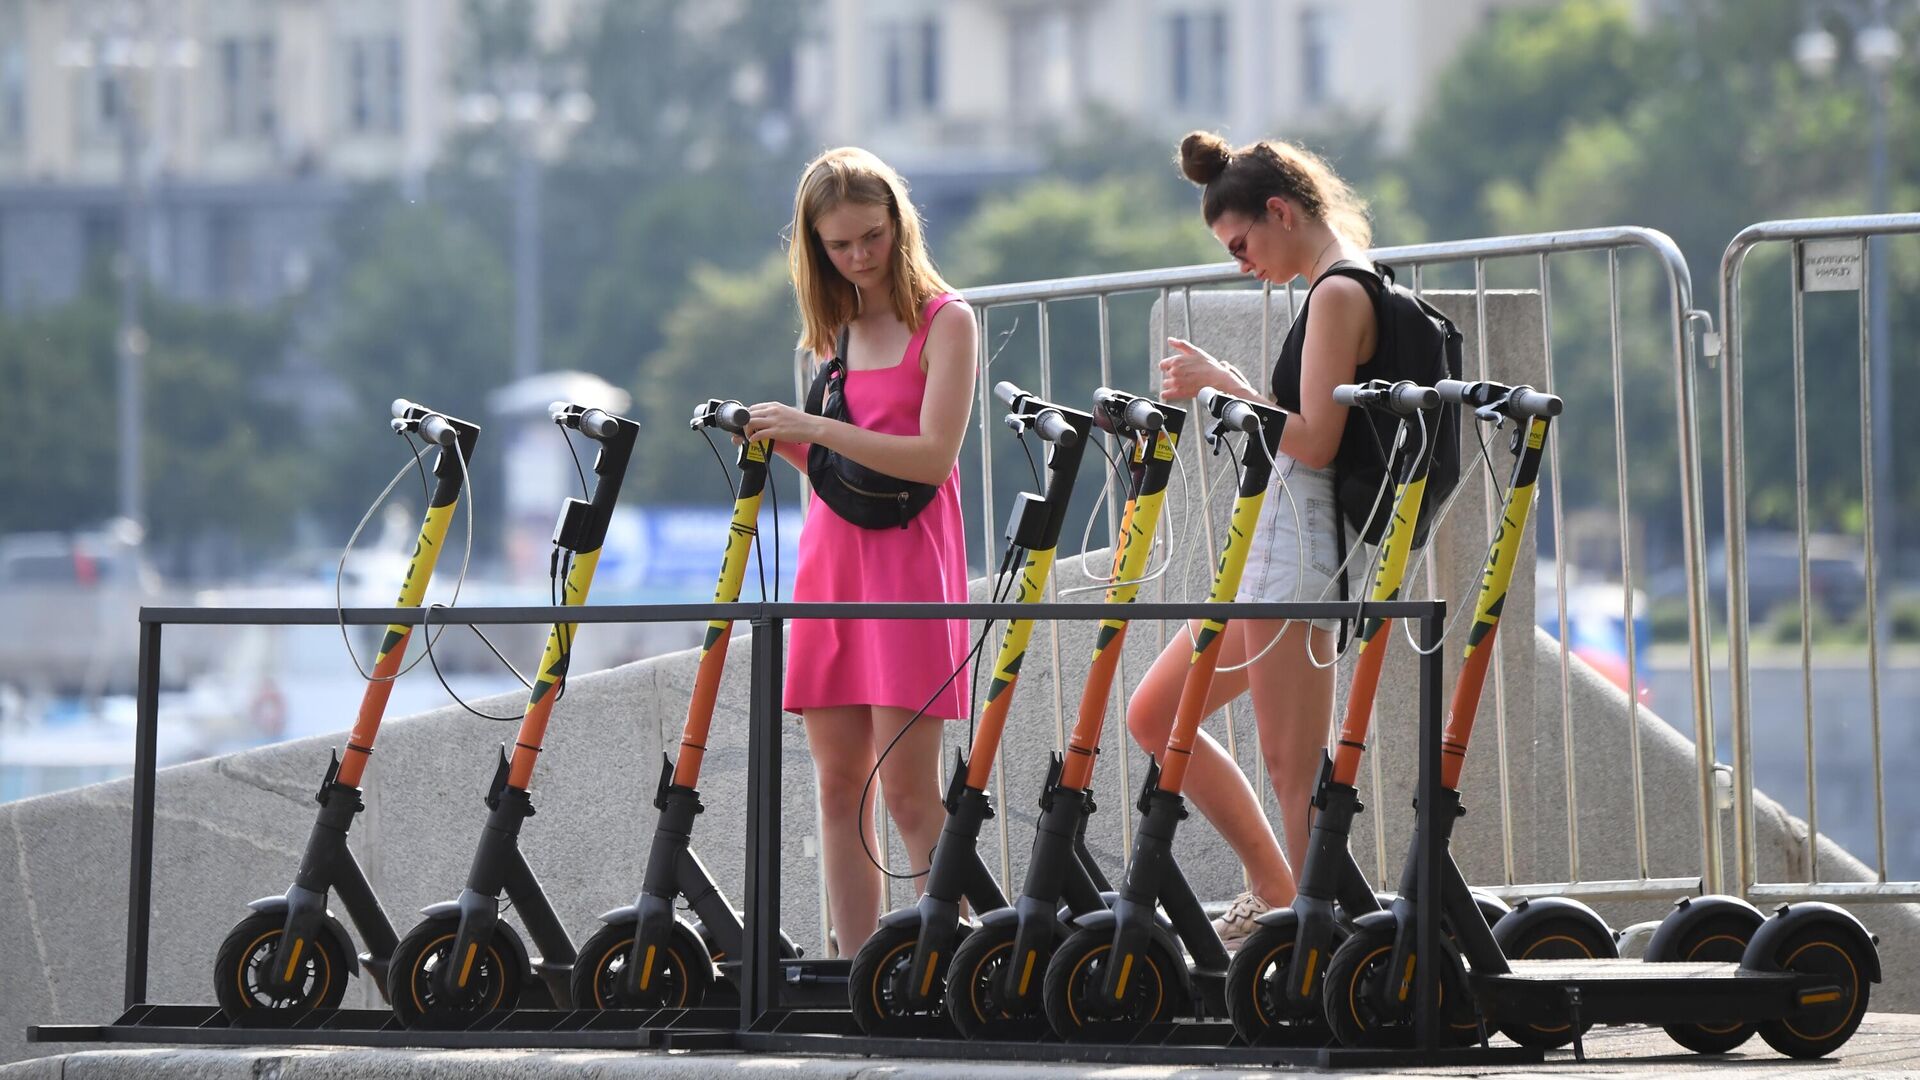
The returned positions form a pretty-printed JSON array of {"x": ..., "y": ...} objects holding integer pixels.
[{"x": 1204, "y": 156}]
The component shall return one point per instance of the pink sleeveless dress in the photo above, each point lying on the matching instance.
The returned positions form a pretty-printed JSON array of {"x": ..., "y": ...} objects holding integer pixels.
[{"x": 892, "y": 662}]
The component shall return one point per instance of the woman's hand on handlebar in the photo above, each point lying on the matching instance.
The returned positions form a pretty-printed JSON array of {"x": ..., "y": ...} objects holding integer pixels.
[{"x": 781, "y": 423}]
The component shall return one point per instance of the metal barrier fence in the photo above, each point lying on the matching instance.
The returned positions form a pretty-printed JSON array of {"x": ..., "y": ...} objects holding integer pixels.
[
  {"x": 1843, "y": 259},
  {"x": 1415, "y": 262}
]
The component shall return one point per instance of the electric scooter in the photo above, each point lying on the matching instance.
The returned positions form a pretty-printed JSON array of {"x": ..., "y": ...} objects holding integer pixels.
[
  {"x": 1124, "y": 967},
  {"x": 896, "y": 983},
  {"x": 462, "y": 960},
  {"x": 1802, "y": 980},
  {"x": 643, "y": 955},
  {"x": 292, "y": 955},
  {"x": 1273, "y": 984},
  {"x": 993, "y": 990}
]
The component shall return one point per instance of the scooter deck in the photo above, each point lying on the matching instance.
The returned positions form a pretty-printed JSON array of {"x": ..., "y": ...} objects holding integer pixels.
[{"x": 1636, "y": 992}]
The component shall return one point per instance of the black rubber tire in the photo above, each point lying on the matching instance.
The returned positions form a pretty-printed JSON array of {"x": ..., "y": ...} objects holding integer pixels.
[
  {"x": 976, "y": 1010},
  {"x": 1074, "y": 974},
  {"x": 1257, "y": 1000},
  {"x": 1818, "y": 1030},
  {"x": 682, "y": 971},
  {"x": 323, "y": 971},
  {"x": 1565, "y": 936},
  {"x": 1722, "y": 938},
  {"x": 876, "y": 983},
  {"x": 497, "y": 975},
  {"x": 1361, "y": 960}
]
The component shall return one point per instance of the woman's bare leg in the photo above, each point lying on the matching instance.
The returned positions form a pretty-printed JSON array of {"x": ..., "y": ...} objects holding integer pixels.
[
  {"x": 1293, "y": 706},
  {"x": 1215, "y": 785},
  {"x": 910, "y": 777},
  {"x": 841, "y": 741}
]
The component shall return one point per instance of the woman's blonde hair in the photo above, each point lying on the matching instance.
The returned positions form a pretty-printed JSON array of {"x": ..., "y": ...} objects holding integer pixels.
[
  {"x": 829, "y": 301},
  {"x": 1242, "y": 180}
]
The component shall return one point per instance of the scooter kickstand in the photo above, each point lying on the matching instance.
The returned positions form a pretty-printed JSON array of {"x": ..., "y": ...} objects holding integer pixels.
[{"x": 1579, "y": 1031}]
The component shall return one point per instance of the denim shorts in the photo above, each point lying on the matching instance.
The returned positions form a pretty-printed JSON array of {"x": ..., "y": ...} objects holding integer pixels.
[{"x": 1298, "y": 557}]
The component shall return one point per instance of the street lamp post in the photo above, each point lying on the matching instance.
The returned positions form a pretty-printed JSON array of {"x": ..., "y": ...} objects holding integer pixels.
[
  {"x": 1877, "y": 46},
  {"x": 121, "y": 44},
  {"x": 537, "y": 124}
]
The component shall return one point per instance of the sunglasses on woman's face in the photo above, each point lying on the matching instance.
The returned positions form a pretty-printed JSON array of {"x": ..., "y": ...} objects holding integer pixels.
[{"x": 1237, "y": 247}]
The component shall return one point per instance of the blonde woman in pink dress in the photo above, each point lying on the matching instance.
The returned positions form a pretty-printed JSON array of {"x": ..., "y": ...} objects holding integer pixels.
[{"x": 859, "y": 265}]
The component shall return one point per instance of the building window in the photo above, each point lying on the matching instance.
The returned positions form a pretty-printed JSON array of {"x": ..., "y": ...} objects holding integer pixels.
[
  {"x": 910, "y": 67},
  {"x": 1198, "y": 59},
  {"x": 1317, "y": 26},
  {"x": 1045, "y": 64},
  {"x": 13, "y": 92},
  {"x": 247, "y": 73},
  {"x": 930, "y": 63},
  {"x": 375, "y": 78},
  {"x": 227, "y": 255}
]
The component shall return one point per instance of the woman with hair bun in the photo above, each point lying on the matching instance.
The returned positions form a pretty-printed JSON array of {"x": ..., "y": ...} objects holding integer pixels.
[
  {"x": 860, "y": 268},
  {"x": 1281, "y": 213}
]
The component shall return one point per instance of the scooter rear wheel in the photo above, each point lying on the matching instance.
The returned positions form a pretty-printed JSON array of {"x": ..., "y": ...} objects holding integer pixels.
[
  {"x": 1820, "y": 1029},
  {"x": 319, "y": 974},
  {"x": 680, "y": 975},
  {"x": 1076, "y": 1009},
  {"x": 1723, "y": 938},
  {"x": 495, "y": 976},
  {"x": 1565, "y": 935}
]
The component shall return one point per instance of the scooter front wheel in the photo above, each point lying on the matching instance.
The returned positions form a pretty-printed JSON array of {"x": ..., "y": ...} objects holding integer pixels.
[
  {"x": 975, "y": 1000},
  {"x": 316, "y": 975},
  {"x": 1077, "y": 1008},
  {"x": 877, "y": 990},
  {"x": 1257, "y": 998},
  {"x": 678, "y": 974},
  {"x": 1357, "y": 990},
  {"x": 492, "y": 970}
]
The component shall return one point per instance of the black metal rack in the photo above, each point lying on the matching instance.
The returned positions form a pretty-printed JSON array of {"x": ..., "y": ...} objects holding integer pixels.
[{"x": 767, "y": 1019}]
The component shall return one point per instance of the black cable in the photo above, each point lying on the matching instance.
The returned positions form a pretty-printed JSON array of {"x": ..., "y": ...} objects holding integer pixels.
[
  {"x": 773, "y": 504},
  {"x": 1021, "y": 437},
  {"x": 866, "y": 790}
]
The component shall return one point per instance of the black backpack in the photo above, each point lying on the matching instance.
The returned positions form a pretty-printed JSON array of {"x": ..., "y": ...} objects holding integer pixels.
[
  {"x": 869, "y": 499},
  {"x": 1414, "y": 341}
]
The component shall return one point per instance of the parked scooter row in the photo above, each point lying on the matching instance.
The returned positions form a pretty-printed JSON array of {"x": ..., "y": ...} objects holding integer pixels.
[{"x": 1069, "y": 956}]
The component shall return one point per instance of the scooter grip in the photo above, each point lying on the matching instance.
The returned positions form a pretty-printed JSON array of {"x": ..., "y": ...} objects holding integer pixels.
[
  {"x": 598, "y": 424},
  {"x": 1054, "y": 428},
  {"x": 1142, "y": 414},
  {"x": 1008, "y": 393},
  {"x": 1528, "y": 402},
  {"x": 401, "y": 407},
  {"x": 731, "y": 416},
  {"x": 1453, "y": 391},
  {"x": 1348, "y": 394},
  {"x": 435, "y": 429},
  {"x": 1407, "y": 398}
]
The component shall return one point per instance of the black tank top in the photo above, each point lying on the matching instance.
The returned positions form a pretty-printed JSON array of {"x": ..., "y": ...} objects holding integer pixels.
[{"x": 1286, "y": 369}]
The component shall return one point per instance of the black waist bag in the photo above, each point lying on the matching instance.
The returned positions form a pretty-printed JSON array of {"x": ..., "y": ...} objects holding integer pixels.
[{"x": 869, "y": 499}]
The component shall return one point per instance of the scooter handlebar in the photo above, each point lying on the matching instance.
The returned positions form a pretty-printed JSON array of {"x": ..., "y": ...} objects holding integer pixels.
[
  {"x": 412, "y": 416},
  {"x": 1404, "y": 397},
  {"x": 1514, "y": 401},
  {"x": 1229, "y": 409},
  {"x": 1135, "y": 411},
  {"x": 593, "y": 423},
  {"x": 726, "y": 415},
  {"x": 1009, "y": 394}
]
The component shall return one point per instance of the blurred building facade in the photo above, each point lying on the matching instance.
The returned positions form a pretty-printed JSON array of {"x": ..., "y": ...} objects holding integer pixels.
[{"x": 253, "y": 118}]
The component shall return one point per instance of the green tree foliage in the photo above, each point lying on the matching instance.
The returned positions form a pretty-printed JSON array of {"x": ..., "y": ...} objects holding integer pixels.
[
  {"x": 423, "y": 313},
  {"x": 733, "y": 336},
  {"x": 216, "y": 457}
]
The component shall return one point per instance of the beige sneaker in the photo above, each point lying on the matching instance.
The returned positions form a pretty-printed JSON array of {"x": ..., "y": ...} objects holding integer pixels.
[{"x": 1238, "y": 922}]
